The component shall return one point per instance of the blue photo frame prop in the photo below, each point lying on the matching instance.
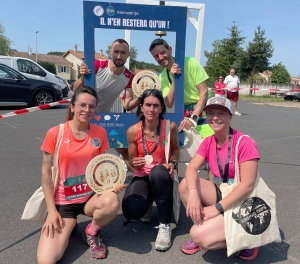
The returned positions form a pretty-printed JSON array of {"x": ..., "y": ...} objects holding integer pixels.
[{"x": 133, "y": 17}]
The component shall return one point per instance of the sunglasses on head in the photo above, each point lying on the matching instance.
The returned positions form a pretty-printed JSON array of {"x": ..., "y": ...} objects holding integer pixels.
[{"x": 151, "y": 91}]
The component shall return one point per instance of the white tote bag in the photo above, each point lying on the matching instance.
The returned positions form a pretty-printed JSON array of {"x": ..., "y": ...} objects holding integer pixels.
[
  {"x": 36, "y": 208},
  {"x": 252, "y": 222},
  {"x": 176, "y": 196},
  {"x": 192, "y": 141}
]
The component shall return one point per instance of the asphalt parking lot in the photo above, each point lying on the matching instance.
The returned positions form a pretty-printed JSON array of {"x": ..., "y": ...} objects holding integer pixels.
[{"x": 275, "y": 129}]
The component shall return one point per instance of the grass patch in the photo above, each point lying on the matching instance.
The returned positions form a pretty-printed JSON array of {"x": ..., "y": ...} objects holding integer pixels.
[{"x": 268, "y": 98}]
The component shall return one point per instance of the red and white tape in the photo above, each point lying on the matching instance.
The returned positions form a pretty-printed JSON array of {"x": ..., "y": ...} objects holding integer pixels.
[
  {"x": 32, "y": 109},
  {"x": 259, "y": 89}
]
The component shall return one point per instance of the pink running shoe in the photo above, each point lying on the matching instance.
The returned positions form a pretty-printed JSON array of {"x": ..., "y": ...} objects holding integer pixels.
[
  {"x": 189, "y": 247},
  {"x": 97, "y": 248},
  {"x": 247, "y": 254}
]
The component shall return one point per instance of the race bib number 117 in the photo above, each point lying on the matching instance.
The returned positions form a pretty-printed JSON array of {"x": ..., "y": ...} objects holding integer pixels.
[{"x": 76, "y": 187}]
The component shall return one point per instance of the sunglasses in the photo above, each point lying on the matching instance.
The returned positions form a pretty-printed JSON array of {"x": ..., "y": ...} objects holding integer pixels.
[
  {"x": 151, "y": 91},
  {"x": 220, "y": 78}
]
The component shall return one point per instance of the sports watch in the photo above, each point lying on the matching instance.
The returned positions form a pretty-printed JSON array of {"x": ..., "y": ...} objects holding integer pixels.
[
  {"x": 195, "y": 117},
  {"x": 175, "y": 164},
  {"x": 219, "y": 207}
]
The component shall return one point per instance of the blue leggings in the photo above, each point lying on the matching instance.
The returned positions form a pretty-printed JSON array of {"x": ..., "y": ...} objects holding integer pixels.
[{"x": 141, "y": 192}]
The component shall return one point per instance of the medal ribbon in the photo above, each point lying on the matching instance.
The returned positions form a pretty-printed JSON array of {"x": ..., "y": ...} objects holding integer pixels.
[
  {"x": 224, "y": 174},
  {"x": 146, "y": 152}
]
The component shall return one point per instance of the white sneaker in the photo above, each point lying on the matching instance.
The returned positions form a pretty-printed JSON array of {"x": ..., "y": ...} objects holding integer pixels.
[
  {"x": 237, "y": 113},
  {"x": 163, "y": 239},
  {"x": 148, "y": 215}
]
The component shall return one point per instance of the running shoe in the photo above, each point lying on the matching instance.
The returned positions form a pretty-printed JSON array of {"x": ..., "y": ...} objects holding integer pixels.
[
  {"x": 163, "y": 239},
  {"x": 97, "y": 248},
  {"x": 189, "y": 247},
  {"x": 247, "y": 254}
]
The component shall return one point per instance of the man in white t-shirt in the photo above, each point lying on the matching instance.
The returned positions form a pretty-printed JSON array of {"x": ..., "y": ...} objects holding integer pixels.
[
  {"x": 232, "y": 81},
  {"x": 111, "y": 79}
]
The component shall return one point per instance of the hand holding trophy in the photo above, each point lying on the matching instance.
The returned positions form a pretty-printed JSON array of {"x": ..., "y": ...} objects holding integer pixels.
[{"x": 106, "y": 173}]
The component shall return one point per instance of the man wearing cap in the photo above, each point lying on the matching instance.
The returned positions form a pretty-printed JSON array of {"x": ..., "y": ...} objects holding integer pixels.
[
  {"x": 111, "y": 79},
  {"x": 195, "y": 89}
]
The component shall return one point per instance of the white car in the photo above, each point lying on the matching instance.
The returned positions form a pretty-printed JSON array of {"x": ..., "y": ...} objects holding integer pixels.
[{"x": 64, "y": 86}]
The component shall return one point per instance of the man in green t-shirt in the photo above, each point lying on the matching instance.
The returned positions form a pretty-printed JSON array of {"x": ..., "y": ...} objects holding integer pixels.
[{"x": 196, "y": 92}]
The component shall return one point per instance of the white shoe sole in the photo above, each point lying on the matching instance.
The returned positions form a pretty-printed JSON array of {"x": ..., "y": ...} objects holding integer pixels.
[{"x": 162, "y": 248}]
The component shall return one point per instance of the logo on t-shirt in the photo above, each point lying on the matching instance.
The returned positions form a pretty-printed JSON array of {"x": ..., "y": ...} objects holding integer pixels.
[{"x": 96, "y": 142}]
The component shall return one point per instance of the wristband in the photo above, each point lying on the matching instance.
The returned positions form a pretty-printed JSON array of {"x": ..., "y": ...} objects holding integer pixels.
[{"x": 194, "y": 188}]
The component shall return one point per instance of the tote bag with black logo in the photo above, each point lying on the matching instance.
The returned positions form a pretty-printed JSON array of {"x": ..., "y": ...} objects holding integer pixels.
[{"x": 252, "y": 222}]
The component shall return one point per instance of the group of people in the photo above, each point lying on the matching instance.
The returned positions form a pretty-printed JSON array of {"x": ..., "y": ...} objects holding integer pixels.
[
  {"x": 231, "y": 84},
  {"x": 153, "y": 172}
]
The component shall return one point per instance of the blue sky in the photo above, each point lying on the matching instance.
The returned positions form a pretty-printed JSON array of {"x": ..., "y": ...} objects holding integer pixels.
[{"x": 60, "y": 26}]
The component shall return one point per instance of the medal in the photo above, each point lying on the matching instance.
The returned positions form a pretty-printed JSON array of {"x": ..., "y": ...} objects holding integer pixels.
[
  {"x": 104, "y": 172},
  {"x": 148, "y": 159},
  {"x": 145, "y": 80}
]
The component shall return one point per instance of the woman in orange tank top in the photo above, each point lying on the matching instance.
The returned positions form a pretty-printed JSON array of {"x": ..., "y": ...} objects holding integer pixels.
[{"x": 153, "y": 175}]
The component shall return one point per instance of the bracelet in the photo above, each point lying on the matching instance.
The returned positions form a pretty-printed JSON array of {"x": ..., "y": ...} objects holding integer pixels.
[{"x": 194, "y": 188}]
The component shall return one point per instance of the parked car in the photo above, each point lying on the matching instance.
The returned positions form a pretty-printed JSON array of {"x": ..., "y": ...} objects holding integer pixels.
[
  {"x": 297, "y": 97},
  {"x": 29, "y": 68},
  {"x": 15, "y": 87},
  {"x": 277, "y": 94},
  {"x": 63, "y": 85},
  {"x": 290, "y": 96}
]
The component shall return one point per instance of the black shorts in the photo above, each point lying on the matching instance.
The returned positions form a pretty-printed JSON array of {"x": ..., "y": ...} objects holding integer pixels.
[
  {"x": 71, "y": 210},
  {"x": 219, "y": 195}
]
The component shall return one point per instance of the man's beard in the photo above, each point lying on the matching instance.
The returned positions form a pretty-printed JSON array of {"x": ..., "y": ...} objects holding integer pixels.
[{"x": 118, "y": 64}]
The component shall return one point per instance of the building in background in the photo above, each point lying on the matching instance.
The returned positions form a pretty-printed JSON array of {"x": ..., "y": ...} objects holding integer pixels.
[{"x": 76, "y": 57}]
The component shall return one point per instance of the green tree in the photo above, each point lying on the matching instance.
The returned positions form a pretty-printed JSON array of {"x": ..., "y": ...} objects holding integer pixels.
[
  {"x": 225, "y": 54},
  {"x": 280, "y": 74},
  {"x": 133, "y": 56},
  {"x": 49, "y": 66},
  {"x": 216, "y": 63},
  {"x": 58, "y": 53},
  {"x": 5, "y": 43},
  {"x": 141, "y": 65},
  {"x": 233, "y": 46},
  {"x": 256, "y": 57},
  {"x": 257, "y": 79}
]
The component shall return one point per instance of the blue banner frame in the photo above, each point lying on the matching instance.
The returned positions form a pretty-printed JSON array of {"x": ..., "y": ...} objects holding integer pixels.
[{"x": 133, "y": 17}]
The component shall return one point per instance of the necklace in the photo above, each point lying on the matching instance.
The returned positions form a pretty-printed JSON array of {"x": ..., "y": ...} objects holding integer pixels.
[{"x": 79, "y": 133}]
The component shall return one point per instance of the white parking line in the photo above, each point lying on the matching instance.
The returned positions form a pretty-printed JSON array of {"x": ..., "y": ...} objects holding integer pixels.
[
  {"x": 39, "y": 139},
  {"x": 9, "y": 125}
]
